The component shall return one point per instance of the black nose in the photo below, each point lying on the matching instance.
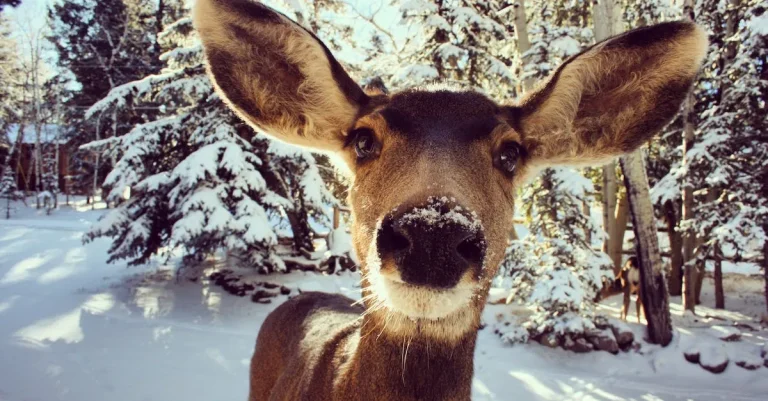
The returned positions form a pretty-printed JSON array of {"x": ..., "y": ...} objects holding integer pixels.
[{"x": 433, "y": 245}]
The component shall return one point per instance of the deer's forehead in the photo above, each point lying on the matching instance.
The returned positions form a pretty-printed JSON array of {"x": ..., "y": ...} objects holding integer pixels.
[{"x": 440, "y": 116}]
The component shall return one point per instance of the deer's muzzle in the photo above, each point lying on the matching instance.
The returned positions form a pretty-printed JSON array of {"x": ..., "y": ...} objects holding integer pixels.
[{"x": 434, "y": 244}]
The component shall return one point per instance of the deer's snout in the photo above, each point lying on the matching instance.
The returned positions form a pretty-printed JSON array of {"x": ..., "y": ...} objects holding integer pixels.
[{"x": 433, "y": 245}]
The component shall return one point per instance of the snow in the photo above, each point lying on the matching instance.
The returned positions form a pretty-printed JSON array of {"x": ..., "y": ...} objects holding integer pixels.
[
  {"x": 713, "y": 354},
  {"x": 435, "y": 217},
  {"x": 76, "y": 329},
  {"x": 725, "y": 333},
  {"x": 567, "y": 45},
  {"x": 759, "y": 25},
  {"x": 417, "y": 73}
]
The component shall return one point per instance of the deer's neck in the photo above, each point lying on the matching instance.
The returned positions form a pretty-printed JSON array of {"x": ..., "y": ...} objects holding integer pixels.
[{"x": 419, "y": 369}]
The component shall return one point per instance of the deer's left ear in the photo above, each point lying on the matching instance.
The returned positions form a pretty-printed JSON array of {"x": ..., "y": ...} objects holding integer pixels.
[{"x": 611, "y": 98}]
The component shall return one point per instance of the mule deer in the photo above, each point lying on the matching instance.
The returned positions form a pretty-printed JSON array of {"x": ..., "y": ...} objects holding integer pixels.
[
  {"x": 434, "y": 174},
  {"x": 630, "y": 284}
]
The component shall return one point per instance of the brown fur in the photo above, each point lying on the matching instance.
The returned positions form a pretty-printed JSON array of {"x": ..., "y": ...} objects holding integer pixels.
[
  {"x": 613, "y": 96},
  {"x": 431, "y": 142},
  {"x": 630, "y": 284}
]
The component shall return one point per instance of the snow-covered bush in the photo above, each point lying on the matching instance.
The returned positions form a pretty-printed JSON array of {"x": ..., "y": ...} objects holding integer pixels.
[{"x": 554, "y": 269}]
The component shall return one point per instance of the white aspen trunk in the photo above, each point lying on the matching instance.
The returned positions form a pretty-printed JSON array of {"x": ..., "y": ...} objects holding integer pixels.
[
  {"x": 652, "y": 282},
  {"x": 56, "y": 173},
  {"x": 619, "y": 229},
  {"x": 523, "y": 45},
  {"x": 607, "y": 19},
  {"x": 37, "y": 125}
]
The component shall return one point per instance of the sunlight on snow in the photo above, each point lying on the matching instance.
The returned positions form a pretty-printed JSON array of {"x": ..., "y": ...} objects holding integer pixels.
[
  {"x": 21, "y": 271},
  {"x": 155, "y": 301},
  {"x": 160, "y": 332},
  {"x": 535, "y": 386},
  {"x": 218, "y": 357},
  {"x": 592, "y": 389},
  {"x": 212, "y": 300},
  {"x": 16, "y": 233},
  {"x": 72, "y": 265},
  {"x": 99, "y": 304},
  {"x": 64, "y": 327},
  {"x": 8, "y": 304},
  {"x": 482, "y": 389}
]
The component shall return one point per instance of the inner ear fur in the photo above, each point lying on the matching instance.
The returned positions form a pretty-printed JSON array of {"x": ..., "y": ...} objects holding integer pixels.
[
  {"x": 277, "y": 75},
  {"x": 611, "y": 98}
]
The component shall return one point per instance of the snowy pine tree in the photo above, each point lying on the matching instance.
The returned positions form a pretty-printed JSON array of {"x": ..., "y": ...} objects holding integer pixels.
[
  {"x": 464, "y": 43},
  {"x": 730, "y": 158},
  {"x": 201, "y": 180}
]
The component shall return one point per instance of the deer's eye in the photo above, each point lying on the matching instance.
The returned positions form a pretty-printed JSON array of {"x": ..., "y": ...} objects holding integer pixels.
[
  {"x": 508, "y": 157},
  {"x": 364, "y": 142}
]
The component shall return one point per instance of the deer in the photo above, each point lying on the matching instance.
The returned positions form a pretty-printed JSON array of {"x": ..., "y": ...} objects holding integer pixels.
[
  {"x": 630, "y": 284},
  {"x": 433, "y": 172}
]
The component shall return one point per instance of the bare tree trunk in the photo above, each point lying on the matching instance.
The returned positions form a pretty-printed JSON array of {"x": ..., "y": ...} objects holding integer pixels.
[
  {"x": 96, "y": 163},
  {"x": 689, "y": 238},
  {"x": 619, "y": 229},
  {"x": 719, "y": 294},
  {"x": 585, "y": 210},
  {"x": 652, "y": 283},
  {"x": 701, "y": 266},
  {"x": 765, "y": 270},
  {"x": 675, "y": 249}
]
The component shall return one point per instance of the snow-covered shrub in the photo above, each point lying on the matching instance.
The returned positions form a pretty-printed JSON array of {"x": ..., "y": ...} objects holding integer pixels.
[{"x": 554, "y": 269}]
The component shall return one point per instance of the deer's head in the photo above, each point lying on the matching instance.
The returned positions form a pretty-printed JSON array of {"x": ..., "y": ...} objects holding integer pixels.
[{"x": 434, "y": 171}]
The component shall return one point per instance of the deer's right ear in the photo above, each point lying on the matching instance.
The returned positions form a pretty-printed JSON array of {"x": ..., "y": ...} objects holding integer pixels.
[{"x": 277, "y": 75}]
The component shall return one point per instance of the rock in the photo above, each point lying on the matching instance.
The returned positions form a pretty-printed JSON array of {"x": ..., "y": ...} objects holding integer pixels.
[
  {"x": 692, "y": 354},
  {"x": 285, "y": 290},
  {"x": 582, "y": 346},
  {"x": 579, "y": 345},
  {"x": 623, "y": 334},
  {"x": 601, "y": 322},
  {"x": 725, "y": 333},
  {"x": 713, "y": 358},
  {"x": 260, "y": 295},
  {"x": 550, "y": 340},
  {"x": 263, "y": 301},
  {"x": 749, "y": 361},
  {"x": 269, "y": 286},
  {"x": 604, "y": 340},
  {"x": 764, "y": 354}
]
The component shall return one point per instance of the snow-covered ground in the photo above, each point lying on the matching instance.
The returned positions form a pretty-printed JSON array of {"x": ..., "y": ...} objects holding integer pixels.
[{"x": 74, "y": 328}]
